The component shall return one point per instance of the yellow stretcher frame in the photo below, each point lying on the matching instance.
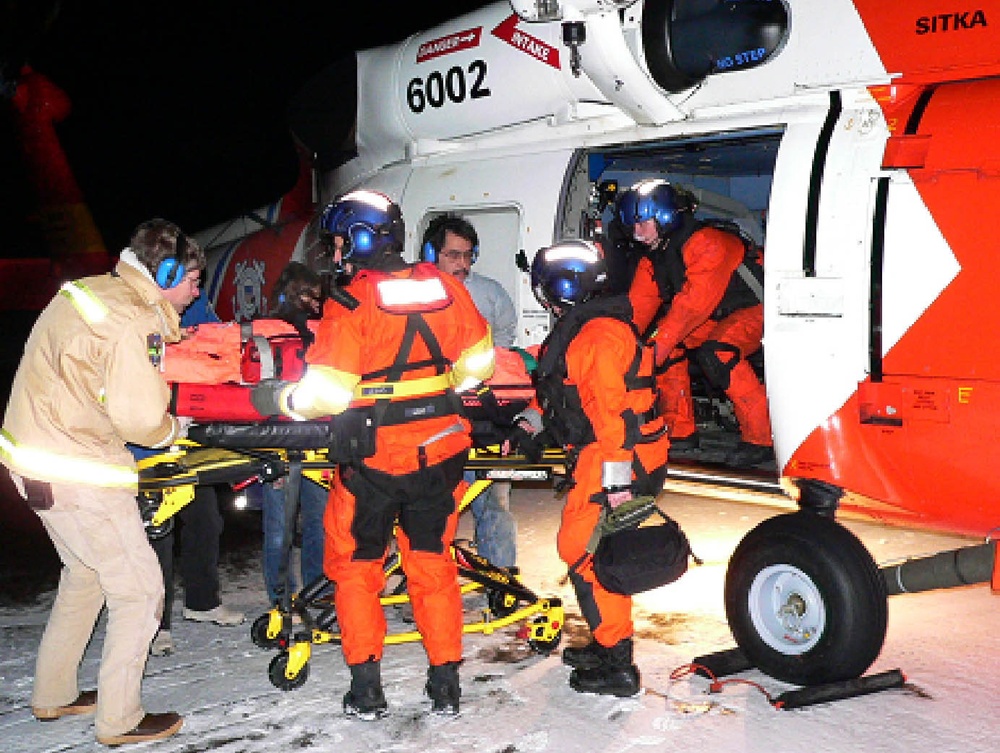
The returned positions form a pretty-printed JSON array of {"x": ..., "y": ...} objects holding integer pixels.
[
  {"x": 167, "y": 480},
  {"x": 289, "y": 669},
  {"x": 167, "y": 483}
]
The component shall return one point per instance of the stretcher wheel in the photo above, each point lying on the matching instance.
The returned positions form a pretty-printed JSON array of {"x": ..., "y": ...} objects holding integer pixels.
[
  {"x": 501, "y": 604},
  {"x": 155, "y": 533},
  {"x": 148, "y": 506},
  {"x": 276, "y": 673},
  {"x": 544, "y": 645},
  {"x": 258, "y": 633}
]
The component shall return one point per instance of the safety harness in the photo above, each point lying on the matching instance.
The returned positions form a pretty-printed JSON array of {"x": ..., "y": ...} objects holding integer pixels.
[
  {"x": 416, "y": 403},
  {"x": 746, "y": 286},
  {"x": 562, "y": 409},
  {"x": 398, "y": 401}
]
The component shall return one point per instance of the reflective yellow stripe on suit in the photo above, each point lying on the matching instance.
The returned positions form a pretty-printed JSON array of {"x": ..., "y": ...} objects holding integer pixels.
[{"x": 40, "y": 464}]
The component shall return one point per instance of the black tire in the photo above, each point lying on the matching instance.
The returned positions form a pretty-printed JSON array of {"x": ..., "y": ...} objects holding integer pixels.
[
  {"x": 542, "y": 646},
  {"x": 501, "y": 604},
  {"x": 148, "y": 507},
  {"x": 805, "y": 600},
  {"x": 276, "y": 673},
  {"x": 258, "y": 632}
]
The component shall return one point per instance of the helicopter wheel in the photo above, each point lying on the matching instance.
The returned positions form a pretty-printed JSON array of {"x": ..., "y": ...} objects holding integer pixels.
[{"x": 805, "y": 600}]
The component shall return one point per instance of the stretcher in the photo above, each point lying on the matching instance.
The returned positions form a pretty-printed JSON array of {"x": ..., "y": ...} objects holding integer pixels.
[
  {"x": 167, "y": 483},
  {"x": 211, "y": 374},
  {"x": 237, "y": 454},
  {"x": 309, "y": 619}
]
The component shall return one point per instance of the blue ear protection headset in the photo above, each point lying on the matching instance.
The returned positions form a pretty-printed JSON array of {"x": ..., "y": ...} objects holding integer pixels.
[
  {"x": 652, "y": 199},
  {"x": 361, "y": 239},
  {"x": 170, "y": 271},
  {"x": 430, "y": 253}
]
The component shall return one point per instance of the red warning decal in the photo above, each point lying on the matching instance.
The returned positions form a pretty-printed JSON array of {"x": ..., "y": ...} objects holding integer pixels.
[
  {"x": 460, "y": 40},
  {"x": 509, "y": 33}
]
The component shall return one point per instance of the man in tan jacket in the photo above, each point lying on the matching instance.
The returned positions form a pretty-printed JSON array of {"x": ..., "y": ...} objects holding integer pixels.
[{"x": 89, "y": 382}]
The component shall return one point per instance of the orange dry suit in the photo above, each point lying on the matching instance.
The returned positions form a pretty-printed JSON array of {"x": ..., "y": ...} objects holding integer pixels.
[
  {"x": 597, "y": 398},
  {"x": 708, "y": 285},
  {"x": 388, "y": 371}
]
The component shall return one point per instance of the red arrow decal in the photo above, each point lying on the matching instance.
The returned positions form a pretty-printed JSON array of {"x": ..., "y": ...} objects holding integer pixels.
[
  {"x": 460, "y": 40},
  {"x": 508, "y": 32}
]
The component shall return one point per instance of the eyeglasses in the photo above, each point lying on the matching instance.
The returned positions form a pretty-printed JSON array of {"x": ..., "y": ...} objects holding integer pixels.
[{"x": 456, "y": 255}]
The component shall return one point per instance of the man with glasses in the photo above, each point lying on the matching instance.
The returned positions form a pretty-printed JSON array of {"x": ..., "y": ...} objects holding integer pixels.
[{"x": 451, "y": 242}]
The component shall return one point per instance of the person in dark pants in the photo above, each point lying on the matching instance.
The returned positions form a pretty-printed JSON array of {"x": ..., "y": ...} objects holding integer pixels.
[{"x": 201, "y": 527}]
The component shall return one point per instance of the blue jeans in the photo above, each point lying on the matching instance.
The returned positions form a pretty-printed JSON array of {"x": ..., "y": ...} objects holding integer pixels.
[
  {"x": 312, "y": 503},
  {"x": 495, "y": 527}
]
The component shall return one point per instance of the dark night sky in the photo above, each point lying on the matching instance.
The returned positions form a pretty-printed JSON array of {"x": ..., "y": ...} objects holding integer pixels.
[{"x": 179, "y": 106}]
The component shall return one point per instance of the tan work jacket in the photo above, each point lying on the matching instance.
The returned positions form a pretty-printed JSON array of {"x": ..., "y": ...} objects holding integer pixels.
[{"x": 87, "y": 382}]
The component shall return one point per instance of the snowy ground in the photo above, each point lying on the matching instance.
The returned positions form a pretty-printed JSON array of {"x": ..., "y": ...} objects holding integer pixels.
[{"x": 515, "y": 700}]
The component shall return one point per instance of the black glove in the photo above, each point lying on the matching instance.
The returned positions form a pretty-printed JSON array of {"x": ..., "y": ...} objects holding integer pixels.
[
  {"x": 264, "y": 396},
  {"x": 528, "y": 444},
  {"x": 490, "y": 407}
]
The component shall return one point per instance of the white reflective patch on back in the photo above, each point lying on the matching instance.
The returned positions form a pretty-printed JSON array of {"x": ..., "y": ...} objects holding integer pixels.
[{"x": 407, "y": 292}]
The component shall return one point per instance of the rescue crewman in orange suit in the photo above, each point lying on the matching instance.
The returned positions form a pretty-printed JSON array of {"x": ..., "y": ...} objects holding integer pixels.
[
  {"x": 388, "y": 370},
  {"x": 596, "y": 396},
  {"x": 704, "y": 293}
]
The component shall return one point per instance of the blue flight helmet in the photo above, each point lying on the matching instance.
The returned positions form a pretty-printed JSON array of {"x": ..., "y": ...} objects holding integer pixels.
[
  {"x": 370, "y": 223},
  {"x": 653, "y": 199},
  {"x": 568, "y": 273}
]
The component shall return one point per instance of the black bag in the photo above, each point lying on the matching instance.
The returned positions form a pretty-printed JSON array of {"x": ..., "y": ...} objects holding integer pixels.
[{"x": 640, "y": 559}]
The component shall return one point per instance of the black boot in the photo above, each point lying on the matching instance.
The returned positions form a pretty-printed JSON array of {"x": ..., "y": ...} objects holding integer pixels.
[
  {"x": 616, "y": 675},
  {"x": 365, "y": 699},
  {"x": 583, "y": 657},
  {"x": 443, "y": 688}
]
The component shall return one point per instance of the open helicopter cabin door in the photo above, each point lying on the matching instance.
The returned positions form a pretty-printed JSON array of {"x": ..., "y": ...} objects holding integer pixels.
[{"x": 729, "y": 173}]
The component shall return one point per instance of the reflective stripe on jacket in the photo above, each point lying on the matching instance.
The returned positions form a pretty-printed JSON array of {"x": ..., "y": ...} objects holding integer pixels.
[
  {"x": 86, "y": 383},
  {"x": 369, "y": 339}
]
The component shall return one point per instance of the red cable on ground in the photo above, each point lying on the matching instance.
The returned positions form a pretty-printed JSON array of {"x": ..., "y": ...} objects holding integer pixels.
[{"x": 716, "y": 685}]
